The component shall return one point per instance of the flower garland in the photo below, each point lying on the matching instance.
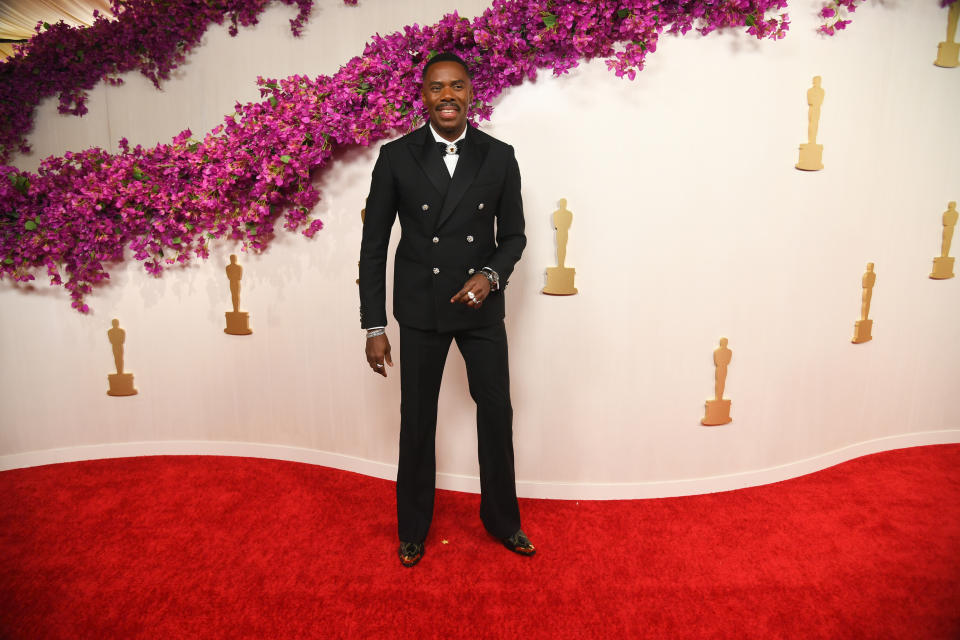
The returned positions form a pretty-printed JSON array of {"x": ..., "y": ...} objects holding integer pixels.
[
  {"x": 152, "y": 37},
  {"x": 85, "y": 209},
  {"x": 833, "y": 13}
]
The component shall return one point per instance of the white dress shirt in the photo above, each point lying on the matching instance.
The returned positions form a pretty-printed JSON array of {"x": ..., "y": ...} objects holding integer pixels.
[{"x": 449, "y": 159}]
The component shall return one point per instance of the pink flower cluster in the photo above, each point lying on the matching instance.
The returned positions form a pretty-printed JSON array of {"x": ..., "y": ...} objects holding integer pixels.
[
  {"x": 153, "y": 37},
  {"x": 833, "y": 13},
  {"x": 164, "y": 205}
]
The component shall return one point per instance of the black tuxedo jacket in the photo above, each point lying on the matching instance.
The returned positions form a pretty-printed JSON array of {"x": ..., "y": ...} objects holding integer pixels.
[{"x": 450, "y": 229}]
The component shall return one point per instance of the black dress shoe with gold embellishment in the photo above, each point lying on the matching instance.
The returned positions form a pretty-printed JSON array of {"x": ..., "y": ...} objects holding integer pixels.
[
  {"x": 410, "y": 553},
  {"x": 519, "y": 543}
]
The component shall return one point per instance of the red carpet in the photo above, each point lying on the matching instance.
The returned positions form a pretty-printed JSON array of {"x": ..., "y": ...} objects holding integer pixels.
[{"x": 217, "y": 547}]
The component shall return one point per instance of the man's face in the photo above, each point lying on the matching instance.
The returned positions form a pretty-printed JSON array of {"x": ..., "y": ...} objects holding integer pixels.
[{"x": 447, "y": 93}]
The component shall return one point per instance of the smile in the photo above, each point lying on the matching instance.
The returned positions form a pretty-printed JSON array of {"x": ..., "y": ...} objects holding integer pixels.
[{"x": 448, "y": 113}]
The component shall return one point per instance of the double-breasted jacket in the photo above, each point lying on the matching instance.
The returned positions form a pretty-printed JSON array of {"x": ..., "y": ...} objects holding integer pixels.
[{"x": 450, "y": 229}]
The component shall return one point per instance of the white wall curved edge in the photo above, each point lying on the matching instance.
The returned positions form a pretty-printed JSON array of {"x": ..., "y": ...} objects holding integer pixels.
[
  {"x": 471, "y": 484},
  {"x": 690, "y": 224}
]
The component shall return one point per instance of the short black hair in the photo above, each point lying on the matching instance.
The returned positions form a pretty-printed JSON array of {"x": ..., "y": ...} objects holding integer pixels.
[{"x": 446, "y": 56}]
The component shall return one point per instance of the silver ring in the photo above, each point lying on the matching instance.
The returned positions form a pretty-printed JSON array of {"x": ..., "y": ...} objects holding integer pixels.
[
  {"x": 379, "y": 366},
  {"x": 471, "y": 296}
]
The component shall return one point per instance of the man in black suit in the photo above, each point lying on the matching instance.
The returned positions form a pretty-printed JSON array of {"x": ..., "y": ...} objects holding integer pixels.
[{"x": 457, "y": 193}]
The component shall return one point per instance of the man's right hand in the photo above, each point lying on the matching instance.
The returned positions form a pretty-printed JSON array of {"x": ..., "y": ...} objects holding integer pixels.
[{"x": 378, "y": 353}]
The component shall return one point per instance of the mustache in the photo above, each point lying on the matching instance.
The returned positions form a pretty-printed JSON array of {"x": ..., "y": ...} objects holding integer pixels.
[{"x": 448, "y": 104}]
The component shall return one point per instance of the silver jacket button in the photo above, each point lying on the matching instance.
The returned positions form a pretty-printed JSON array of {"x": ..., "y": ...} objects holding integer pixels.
[
  {"x": 480, "y": 207},
  {"x": 425, "y": 207},
  {"x": 469, "y": 238},
  {"x": 436, "y": 270},
  {"x": 436, "y": 239},
  {"x": 471, "y": 271}
]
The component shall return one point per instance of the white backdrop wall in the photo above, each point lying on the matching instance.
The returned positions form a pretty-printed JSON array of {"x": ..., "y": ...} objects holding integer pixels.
[{"x": 690, "y": 223}]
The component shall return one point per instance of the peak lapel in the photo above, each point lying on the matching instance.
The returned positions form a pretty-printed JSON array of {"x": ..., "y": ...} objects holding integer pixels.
[
  {"x": 430, "y": 161},
  {"x": 471, "y": 159}
]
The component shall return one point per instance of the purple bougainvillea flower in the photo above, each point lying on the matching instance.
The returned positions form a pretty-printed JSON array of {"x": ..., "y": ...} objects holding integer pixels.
[{"x": 164, "y": 205}]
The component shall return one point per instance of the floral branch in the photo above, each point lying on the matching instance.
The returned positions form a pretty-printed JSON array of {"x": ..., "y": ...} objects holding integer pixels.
[
  {"x": 149, "y": 36},
  {"x": 85, "y": 210},
  {"x": 834, "y": 14}
]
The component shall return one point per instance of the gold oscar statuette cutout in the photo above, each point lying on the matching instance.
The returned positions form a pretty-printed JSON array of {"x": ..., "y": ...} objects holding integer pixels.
[
  {"x": 811, "y": 153},
  {"x": 121, "y": 384},
  {"x": 718, "y": 409},
  {"x": 948, "y": 53},
  {"x": 863, "y": 327},
  {"x": 238, "y": 322},
  {"x": 943, "y": 265},
  {"x": 560, "y": 277}
]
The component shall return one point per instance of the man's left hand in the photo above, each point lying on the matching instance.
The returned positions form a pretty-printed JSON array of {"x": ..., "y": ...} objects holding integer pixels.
[{"x": 474, "y": 292}]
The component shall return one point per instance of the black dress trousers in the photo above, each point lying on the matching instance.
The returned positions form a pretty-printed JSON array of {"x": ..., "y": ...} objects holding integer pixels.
[{"x": 423, "y": 354}]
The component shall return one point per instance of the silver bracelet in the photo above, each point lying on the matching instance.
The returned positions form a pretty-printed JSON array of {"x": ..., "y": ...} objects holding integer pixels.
[
  {"x": 373, "y": 333},
  {"x": 492, "y": 277}
]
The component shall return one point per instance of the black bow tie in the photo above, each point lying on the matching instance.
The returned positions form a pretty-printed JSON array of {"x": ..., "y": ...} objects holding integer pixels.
[{"x": 450, "y": 148}]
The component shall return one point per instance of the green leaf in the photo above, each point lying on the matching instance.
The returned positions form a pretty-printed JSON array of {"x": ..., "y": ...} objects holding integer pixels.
[
  {"x": 8, "y": 261},
  {"x": 549, "y": 20},
  {"x": 193, "y": 146},
  {"x": 211, "y": 236},
  {"x": 20, "y": 183},
  {"x": 273, "y": 101},
  {"x": 251, "y": 225},
  {"x": 623, "y": 13},
  {"x": 46, "y": 25},
  {"x": 285, "y": 159},
  {"x": 138, "y": 174},
  {"x": 751, "y": 21},
  {"x": 271, "y": 85},
  {"x": 220, "y": 180},
  {"x": 176, "y": 240},
  {"x": 30, "y": 225},
  {"x": 189, "y": 226},
  {"x": 80, "y": 55}
]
